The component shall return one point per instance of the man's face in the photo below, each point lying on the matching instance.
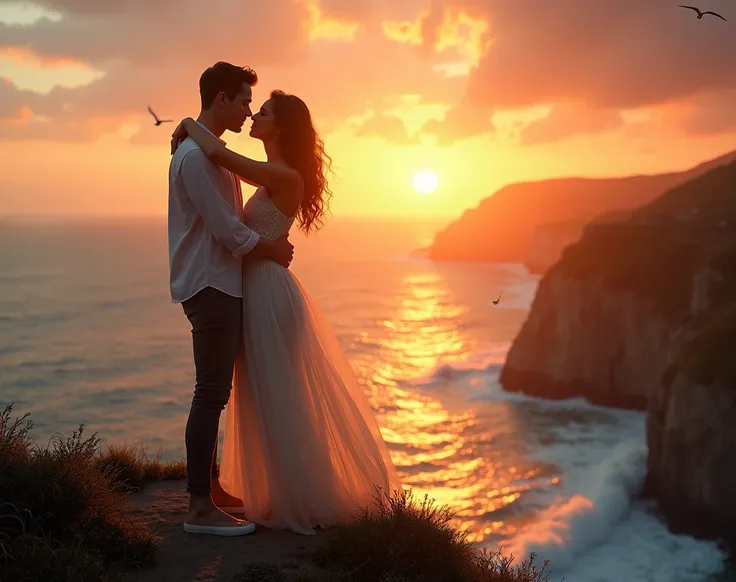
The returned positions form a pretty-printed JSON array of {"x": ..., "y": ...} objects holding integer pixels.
[{"x": 236, "y": 111}]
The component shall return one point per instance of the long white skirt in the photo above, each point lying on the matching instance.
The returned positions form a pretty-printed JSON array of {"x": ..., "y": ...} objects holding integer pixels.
[{"x": 302, "y": 448}]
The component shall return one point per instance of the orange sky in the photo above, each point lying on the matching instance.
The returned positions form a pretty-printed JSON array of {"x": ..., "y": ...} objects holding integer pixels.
[{"x": 482, "y": 92}]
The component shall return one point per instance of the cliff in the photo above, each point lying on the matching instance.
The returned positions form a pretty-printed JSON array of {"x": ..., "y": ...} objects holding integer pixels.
[
  {"x": 690, "y": 435},
  {"x": 599, "y": 326},
  {"x": 641, "y": 313},
  {"x": 548, "y": 241},
  {"x": 502, "y": 227}
]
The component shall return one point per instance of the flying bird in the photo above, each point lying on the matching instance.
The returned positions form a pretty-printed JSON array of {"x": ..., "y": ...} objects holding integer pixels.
[
  {"x": 499, "y": 298},
  {"x": 701, "y": 14},
  {"x": 158, "y": 121}
]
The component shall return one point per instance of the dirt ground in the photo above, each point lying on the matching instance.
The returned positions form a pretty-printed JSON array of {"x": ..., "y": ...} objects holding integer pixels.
[{"x": 203, "y": 558}]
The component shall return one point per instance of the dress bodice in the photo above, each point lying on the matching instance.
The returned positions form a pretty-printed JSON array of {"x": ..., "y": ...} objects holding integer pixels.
[{"x": 261, "y": 215}]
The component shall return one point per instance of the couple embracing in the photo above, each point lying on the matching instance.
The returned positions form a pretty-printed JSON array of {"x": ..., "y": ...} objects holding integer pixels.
[{"x": 302, "y": 449}]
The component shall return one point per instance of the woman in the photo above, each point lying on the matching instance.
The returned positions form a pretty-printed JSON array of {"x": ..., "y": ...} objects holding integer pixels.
[{"x": 302, "y": 448}]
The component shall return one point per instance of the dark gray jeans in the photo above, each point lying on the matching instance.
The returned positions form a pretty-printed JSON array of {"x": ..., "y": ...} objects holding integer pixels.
[{"x": 216, "y": 319}]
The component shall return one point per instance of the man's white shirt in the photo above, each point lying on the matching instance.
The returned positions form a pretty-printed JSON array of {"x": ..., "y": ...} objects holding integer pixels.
[{"x": 207, "y": 237}]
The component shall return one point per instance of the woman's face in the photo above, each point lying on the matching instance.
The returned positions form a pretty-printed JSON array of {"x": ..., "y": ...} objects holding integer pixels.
[{"x": 264, "y": 123}]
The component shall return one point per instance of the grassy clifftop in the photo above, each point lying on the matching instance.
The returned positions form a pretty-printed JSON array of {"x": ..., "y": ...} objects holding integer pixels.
[{"x": 66, "y": 516}]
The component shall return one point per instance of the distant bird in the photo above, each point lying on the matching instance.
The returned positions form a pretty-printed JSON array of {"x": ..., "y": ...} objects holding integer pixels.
[
  {"x": 701, "y": 14},
  {"x": 499, "y": 298},
  {"x": 158, "y": 121}
]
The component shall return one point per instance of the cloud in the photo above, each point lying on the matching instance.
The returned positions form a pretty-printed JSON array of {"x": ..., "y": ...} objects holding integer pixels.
[
  {"x": 94, "y": 7},
  {"x": 568, "y": 120},
  {"x": 710, "y": 114},
  {"x": 146, "y": 52},
  {"x": 371, "y": 12},
  {"x": 602, "y": 53},
  {"x": 162, "y": 33},
  {"x": 388, "y": 127},
  {"x": 461, "y": 121},
  {"x": 20, "y": 118},
  {"x": 27, "y": 57},
  {"x": 590, "y": 60},
  {"x": 103, "y": 106},
  {"x": 12, "y": 100},
  {"x": 341, "y": 80},
  {"x": 149, "y": 54}
]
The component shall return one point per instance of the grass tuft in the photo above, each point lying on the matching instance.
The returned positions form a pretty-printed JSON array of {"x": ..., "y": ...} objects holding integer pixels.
[
  {"x": 401, "y": 539},
  {"x": 131, "y": 467},
  {"x": 63, "y": 516}
]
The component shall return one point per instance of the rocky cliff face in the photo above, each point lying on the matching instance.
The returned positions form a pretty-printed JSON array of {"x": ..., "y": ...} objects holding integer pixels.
[
  {"x": 690, "y": 469},
  {"x": 642, "y": 314},
  {"x": 610, "y": 350},
  {"x": 690, "y": 421},
  {"x": 605, "y": 317}
]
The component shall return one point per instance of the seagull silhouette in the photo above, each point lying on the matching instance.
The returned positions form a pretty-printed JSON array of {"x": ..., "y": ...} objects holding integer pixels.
[
  {"x": 701, "y": 14},
  {"x": 499, "y": 298},
  {"x": 158, "y": 121}
]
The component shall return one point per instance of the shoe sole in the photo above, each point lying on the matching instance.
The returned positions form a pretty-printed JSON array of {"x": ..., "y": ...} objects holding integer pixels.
[
  {"x": 240, "y": 509},
  {"x": 233, "y": 531}
]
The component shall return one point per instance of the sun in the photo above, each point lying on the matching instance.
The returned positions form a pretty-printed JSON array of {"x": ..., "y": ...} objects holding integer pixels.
[{"x": 425, "y": 182}]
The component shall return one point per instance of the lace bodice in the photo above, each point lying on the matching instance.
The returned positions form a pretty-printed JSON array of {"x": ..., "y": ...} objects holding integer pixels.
[{"x": 261, "y": 215}]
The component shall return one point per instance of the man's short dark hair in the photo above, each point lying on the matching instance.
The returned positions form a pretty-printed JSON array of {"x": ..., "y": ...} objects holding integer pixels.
[{"x": 225, "y": 77}]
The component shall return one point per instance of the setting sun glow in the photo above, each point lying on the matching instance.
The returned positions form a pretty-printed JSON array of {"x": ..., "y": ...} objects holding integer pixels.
[{"x": 425, "y": 182}]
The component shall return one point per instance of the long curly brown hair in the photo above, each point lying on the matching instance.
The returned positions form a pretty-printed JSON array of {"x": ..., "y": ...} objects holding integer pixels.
[{"x": 304, "y": 151}]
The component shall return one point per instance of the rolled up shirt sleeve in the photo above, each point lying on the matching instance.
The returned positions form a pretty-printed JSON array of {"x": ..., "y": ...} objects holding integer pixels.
[{"x": 199, "y": 180}]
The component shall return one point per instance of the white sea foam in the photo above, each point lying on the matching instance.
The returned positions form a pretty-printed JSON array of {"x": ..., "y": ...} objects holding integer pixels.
[
  {"x": 599, "y": 531},
  {"x": 595, "y": 528}
]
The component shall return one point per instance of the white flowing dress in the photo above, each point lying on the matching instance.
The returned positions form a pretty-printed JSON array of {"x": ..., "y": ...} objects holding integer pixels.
[{"x": 302, "y": 448}]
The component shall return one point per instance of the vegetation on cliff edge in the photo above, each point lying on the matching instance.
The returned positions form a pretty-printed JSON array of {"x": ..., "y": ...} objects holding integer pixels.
[
  {"x": 401, "y": 539},
  {"x": 65, "y": 517},
  {"x": 62, "y": 518}
]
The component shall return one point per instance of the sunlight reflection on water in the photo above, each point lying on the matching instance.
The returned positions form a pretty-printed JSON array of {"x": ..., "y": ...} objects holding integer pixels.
[{"x": 447, "y": 454}]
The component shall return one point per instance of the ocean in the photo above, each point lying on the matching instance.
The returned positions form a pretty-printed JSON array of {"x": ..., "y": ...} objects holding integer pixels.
[{"x": 88, "y": 335}]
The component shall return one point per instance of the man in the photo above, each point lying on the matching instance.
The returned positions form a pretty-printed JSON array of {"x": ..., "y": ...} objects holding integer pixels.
[{"x": 207, "y": 242}]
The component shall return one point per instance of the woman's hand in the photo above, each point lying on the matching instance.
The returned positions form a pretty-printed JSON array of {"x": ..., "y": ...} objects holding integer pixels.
[
  {"x": 179, "y": 135},
  {"x": 207, "y": 142}
]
